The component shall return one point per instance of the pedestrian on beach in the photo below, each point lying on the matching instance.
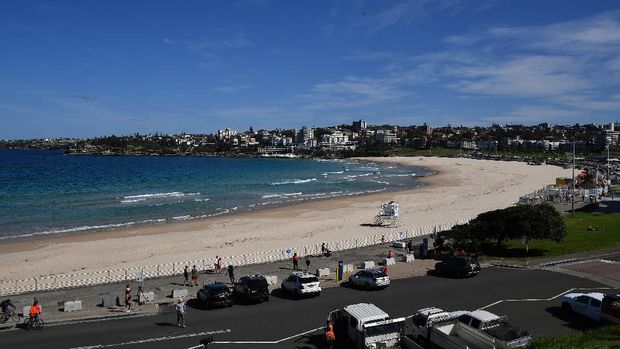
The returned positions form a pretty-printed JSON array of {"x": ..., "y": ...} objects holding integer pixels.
[
  {"x": 186, "y": 275},
  {"x": 231, "y": 273},
  {"x": 180, "y": 307},
  {"x": 127, "y": 298},
  {"x": 218, "y": 265},
  {"x": 323, "y": 249},
  {"x": 307, "y": 263},
  {"x": 295, "y": 261},
  {"x": 194, "y": 276},
  {"x": 382, "y": 239}
]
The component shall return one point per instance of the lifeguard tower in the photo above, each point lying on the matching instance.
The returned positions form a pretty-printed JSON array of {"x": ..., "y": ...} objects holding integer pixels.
[{"x": 388, "y": 216}]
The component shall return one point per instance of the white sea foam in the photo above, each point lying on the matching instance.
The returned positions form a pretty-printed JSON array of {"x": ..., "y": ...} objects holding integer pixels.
[
  {"x": 269, "y": 196},
  {"x": 294, "y": 181},
  {"x": 83, "y": 228},
  {"x": 401, "y": 175},
  {"x": 143, "y": 197},
  {"x": 182, "y": 218}
]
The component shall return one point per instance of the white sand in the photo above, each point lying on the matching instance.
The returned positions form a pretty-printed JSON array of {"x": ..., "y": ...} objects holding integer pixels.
[{"x": 462, "y": 189}]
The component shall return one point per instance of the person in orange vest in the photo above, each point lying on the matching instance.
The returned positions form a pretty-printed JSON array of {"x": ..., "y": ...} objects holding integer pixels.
[
  {"x": 295, "y": 261},
  {"x": 35, "y": 311},
  {"x": 330, "y": 336},
  {"x": 385, "y": 269}
]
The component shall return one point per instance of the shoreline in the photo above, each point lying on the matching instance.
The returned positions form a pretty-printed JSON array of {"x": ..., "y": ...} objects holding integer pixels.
[{"x": 459, "y": 189}]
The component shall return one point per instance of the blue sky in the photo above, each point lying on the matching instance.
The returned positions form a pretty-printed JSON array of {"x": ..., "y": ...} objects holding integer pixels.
[{"x": 90, "y": 68}]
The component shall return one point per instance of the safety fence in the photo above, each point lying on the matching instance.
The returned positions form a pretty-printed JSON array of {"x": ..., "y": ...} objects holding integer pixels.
[{"x": 61, "y": 281}]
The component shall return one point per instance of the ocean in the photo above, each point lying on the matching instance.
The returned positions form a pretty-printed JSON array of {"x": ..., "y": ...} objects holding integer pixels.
[{"x": 47, "y": 192}]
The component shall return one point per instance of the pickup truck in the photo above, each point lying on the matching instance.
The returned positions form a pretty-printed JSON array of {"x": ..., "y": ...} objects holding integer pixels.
[
  {"x": 365, "y": 326},
  {"x": 461, "y": 330}
]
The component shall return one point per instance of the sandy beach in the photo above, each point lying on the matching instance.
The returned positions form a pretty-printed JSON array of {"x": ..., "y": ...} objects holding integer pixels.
[{"x": 462, "y": 189}]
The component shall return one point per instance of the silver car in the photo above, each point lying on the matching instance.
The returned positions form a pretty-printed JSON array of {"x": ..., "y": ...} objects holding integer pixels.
[{"x": 370, "y": 279}]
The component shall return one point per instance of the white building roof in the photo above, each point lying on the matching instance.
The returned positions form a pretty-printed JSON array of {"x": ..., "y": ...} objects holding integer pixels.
[{"x": 366, "y": 312}]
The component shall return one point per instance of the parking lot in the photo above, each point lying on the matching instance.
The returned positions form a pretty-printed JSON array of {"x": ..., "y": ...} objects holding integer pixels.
[{"x": 528, "y": 297}]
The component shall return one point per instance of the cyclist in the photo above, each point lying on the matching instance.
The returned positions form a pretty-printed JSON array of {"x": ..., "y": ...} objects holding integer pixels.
[
  {"x": 35, "y": 311},
  {"x": 7, "y": 306}
]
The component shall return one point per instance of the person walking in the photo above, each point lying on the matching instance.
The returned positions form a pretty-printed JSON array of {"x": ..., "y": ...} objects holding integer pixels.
[
  {"x": 127, "y": 298},
  {"x": 194, "y": 276},
  {"x": 307, "y": 263},
  {"x": 186, "y": 275},
  {"x": 410, "y": 246},
  {"x": 181, "y": 309},
  {"x": 231, "y": 273},
  {"x": 295, "y": 261}
]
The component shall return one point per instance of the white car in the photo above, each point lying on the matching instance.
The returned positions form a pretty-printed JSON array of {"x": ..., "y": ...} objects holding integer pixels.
[
  {"x": 586, "y": 304},
  {"x": 302, "y": 284},
  {"x": 370, "y": 278}
]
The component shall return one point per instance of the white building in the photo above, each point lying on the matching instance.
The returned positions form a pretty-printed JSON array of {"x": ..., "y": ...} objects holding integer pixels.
[
  {"x": 337, "y": 140},
  {"x": 226, "y": 134},
  {"x": 386, "y": 137}
]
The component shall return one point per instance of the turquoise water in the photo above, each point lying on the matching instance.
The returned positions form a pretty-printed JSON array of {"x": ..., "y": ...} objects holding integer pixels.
[{"x": 46, "y": 192}]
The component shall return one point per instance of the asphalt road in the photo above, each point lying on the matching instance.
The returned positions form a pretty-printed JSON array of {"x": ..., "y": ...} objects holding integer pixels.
[{"x": 267, "y": 325}]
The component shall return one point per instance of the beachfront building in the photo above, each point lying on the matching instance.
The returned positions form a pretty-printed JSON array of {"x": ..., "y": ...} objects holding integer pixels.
[
  {"x": 304, "y": 136},
  {"x": 337, "y": 141},
  {"x": 486, "y": 145},
  {"x": 360, "y": 125},
  {"x": 386, "y": 137},
  {"x": 609, "y": 136},
  {"x": 226, "y": 134}
]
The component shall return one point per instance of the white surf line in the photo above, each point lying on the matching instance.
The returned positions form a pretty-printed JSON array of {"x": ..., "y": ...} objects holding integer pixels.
[
  {"x": 545, "y": 299},
  {"x": 151, "y": 340},
  {"x": 267, "y": 342}
]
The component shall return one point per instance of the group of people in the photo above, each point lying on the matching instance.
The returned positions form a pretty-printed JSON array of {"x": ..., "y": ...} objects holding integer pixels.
[
  {"x": 34, "y": 313},
  {"x": 296, "y": 262},
  {"x": 230, "y": 271}
]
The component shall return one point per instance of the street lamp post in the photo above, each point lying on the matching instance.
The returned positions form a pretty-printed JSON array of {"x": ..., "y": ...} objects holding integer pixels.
[{"x": 573, "y": 193}]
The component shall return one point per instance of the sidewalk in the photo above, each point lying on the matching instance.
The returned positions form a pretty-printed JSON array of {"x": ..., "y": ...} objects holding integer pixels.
[{"x": 91, "y": 297}]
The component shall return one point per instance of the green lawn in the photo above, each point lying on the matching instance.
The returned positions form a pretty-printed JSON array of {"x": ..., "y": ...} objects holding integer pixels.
[
  {"x": 603, "y": 338},
  {"x": 578, "y": 239}
]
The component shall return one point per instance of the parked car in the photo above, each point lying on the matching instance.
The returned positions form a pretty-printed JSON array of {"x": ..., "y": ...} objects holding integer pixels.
[
  {"x": 253, "y": 288},
  {"x": 369, "y": 279},
  {"x": 460, "y": 266},
  {"x": 586, "y": 304},
  {"x": 302, "y": 284},
  {"x": 215, "y": 295}
]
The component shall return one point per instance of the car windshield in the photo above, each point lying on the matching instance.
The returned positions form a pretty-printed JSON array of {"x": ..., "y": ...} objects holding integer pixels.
[
  {"x": 308, "y": 279},
  {"x": 257, "y": 283}
]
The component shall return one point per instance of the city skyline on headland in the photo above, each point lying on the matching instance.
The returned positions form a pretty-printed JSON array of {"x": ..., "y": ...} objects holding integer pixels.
[{"x": 87, "y": 69}]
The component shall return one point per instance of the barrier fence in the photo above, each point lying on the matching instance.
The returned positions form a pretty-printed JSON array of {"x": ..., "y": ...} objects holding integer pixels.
[{"x": 60, "y": 281}]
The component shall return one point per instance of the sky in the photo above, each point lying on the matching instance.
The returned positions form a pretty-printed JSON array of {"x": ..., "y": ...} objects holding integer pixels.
[{"x": 91, "y": 68}]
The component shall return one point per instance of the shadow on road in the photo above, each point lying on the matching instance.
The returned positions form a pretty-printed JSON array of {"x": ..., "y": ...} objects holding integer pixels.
[
  {"x": 573, "y": 320},
  {"x": 165, "y": 324},
  {"x": 310, "y": 341}
]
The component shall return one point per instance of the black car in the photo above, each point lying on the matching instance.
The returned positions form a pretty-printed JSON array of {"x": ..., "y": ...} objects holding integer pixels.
[
  {"x": 253, "y": 288},
  {"x": 215, "y": 295},
  {"x": 459, "y": 266}
]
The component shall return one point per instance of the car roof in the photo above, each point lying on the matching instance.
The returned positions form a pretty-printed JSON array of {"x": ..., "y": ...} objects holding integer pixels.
[
  {"x": 302, "y": 274},
  {"x": 251, "y": 277},
  {"x": 216, "y": 285},
  {"x": 483, "y": 315},
  {"x": 596, "y": 295}
]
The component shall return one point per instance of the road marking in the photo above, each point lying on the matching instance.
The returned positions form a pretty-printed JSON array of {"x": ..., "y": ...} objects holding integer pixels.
[
  {"x": 151, "y": 340},
  {"x": 545, "y": 299},
  {"x": 269, "y": 342}
]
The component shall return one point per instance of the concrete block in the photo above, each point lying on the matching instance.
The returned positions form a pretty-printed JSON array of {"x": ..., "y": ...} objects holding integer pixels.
[
  {"x": 149, "y": 296},
  {"x": 271, "y": 279},
  {"x": 110, "y": 300},
  {"x": 70, "y": 306},
  {"x": 408, "y": 258},
  {"x": 25, "y": 311},
  {"x": 399, "y": 244},
  {"x": 182, "y": 292},
  {"x": 322, "y": 272},
  {"x": 368, "y": 265},
  {"x": 389, "y": 261}
]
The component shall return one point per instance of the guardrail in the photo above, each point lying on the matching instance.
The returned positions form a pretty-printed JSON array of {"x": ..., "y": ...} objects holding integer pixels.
[{"x": 61, "y": 281}]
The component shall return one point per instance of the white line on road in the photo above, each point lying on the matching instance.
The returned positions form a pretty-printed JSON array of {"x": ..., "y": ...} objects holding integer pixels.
[
  {"x": 155, "y": 339},
  {"x": 269, "y": 342},
  {"x": 545, "y": 299}
]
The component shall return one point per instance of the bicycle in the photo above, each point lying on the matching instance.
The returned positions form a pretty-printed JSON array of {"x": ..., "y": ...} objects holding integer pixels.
[
  {"x": 11, "y": 314},
  {"x": 33, "y": 323}
]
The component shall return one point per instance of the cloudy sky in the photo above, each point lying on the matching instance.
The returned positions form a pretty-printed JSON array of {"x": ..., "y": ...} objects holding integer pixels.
[{"x": 90, "y": 68}]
